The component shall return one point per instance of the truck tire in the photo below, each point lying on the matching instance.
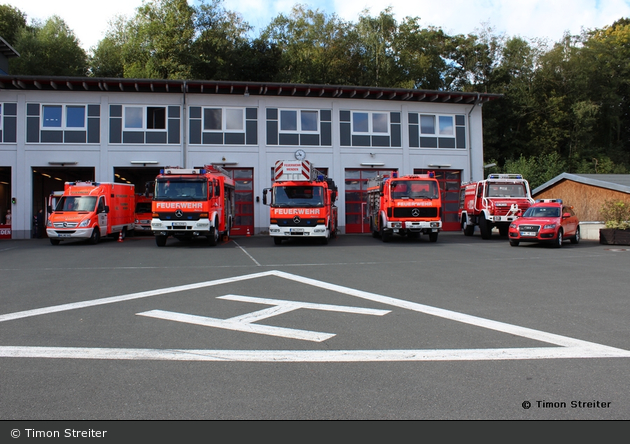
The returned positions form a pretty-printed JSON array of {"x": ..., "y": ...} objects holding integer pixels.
[
  {"x": 96, "y": 236},
  {"x": 469, "y": 229},
  {"x": 277, "y": 240},
  {"x": 160, "y": 240},
  {"x": 484, "y": 227},
  {"x": 385, "y": 236},
  {"x": 433, "y": 236},
  {"x": 54, "y": 241},
  {"x": 213, "y": 237}
]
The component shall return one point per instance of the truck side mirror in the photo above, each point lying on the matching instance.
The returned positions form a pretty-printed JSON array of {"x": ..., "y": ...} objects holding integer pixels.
[
  {"x": 106, "y": 209},
  {"x": 265, "y": 196},
  {"x": 49, "y": 209}
]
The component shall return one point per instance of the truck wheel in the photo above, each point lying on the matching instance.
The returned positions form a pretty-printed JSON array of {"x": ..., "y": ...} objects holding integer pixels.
[
  {"x": 433, "y": 237},
  {"x": 213, "y": 237},
  {"x": 55, "y": 241},
  {"x": 384, "y": 234},
  {"x": 484, "y": 227},
  {"x": 469, "y": 229},
  {"x": 96, "y": 236},
  {"x": 373, "y": 229},
  {"x": 277, "y": 240},
  {"x": 160, "y": 240}
]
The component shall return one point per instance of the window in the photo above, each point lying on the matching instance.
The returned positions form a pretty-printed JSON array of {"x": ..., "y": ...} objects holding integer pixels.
[
  {"x": 52, "y": 116},
  {"x": 213, "y": 119},
  {"x": 308, "y": 121},
  {"x": 140, "y": 117},
  {"x": 370, "y": 123},
  {"x": 156, "y": 117},
  {"x": 133, "y": 117},
  {"x": 427, "y": 124},
  {"x": 446, "y": 126},
  {"x": 63, "y": 116}
]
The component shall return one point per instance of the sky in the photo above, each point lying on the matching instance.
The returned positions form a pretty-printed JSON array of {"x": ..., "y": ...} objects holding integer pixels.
[{"x": 530, "y": 19}]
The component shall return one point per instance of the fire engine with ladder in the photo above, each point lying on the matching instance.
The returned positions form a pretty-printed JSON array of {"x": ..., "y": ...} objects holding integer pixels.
[
  {"x": 493, "y": 202},
  {"x": 193, "y": 203},
  {"x": 302, "y": 203},
  {"x": 407, "y": 206}
]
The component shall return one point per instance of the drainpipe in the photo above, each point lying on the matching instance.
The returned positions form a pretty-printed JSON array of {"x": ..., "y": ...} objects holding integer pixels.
[
  {"x": 184, "y": 126},
  {"x": 470, "y": 138}
]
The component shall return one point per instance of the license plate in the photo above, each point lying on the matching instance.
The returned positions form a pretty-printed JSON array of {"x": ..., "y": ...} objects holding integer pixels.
[
  {"x": 296, "y": 230},
  {"x": 179, "y": 224},
  {"x": 528, "y": 234},
  {"x": 63, "y": 235}
]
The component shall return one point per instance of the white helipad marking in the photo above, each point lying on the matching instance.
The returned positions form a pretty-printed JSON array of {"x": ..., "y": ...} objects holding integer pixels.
[
  {"x": 244, "y": 322},
  {"x": 567, "y": 347}
]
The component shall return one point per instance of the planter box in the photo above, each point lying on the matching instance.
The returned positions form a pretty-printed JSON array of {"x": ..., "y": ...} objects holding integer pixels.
[{"x": 612, "y": 236}]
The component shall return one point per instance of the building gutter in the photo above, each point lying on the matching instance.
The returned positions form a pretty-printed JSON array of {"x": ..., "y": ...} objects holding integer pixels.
[{"x": 477, "y": 100}]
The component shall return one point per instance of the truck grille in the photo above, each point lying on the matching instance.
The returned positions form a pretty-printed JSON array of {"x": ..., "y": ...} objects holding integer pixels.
[
  {"x": 65, "y": 224},
  {"x": 421, "y": 212},
  {"x": 296, "y": 222},
  {"x": 172, "y": 216}
]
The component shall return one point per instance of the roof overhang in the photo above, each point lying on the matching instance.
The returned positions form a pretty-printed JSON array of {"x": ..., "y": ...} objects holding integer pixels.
[
  {"x": 583, "y": 179},
  {"x": 56, "y": 83},
  {"x": 7, "y": 50}
]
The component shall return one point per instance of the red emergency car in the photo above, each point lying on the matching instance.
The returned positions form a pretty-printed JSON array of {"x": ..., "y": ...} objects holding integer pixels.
[{"x": 547, "y": 220}]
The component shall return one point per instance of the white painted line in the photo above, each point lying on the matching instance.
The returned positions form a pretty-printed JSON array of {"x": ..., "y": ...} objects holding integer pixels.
[
  {"x": 250, "y": 256},
  {"x": 244, "y": 322},
  {"x": 239, "y": 326},
  {"x": 125, "y": 297},
  {"x": 569, "y": 347},
  {"x": 497, "y": 354}
]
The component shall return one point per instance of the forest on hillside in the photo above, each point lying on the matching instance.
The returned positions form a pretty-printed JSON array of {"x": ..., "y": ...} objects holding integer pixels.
[{"x": 565, "y": 105}]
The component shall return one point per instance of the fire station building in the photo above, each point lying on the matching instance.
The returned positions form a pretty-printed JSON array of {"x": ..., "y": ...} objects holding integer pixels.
[{"x": 58, "y": 129}]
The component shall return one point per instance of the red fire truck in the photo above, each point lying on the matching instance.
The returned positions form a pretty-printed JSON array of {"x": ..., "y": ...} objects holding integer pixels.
[
  {"x": 406, "y": 205},
  {"x": 302, "y": 202},
  {"x": 493, "y": 202},
  {"x": 192, "y": 203}
]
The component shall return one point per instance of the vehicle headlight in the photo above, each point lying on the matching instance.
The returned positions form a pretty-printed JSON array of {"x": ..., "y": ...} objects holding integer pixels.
[
  {"x": 549, "y": 226},
  {"x": 513, "y": 226},
  {"x": 85, "y": 223}
]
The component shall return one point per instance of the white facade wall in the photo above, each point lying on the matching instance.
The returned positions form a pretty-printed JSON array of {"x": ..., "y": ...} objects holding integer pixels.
[{"x": 22, "y": 156}]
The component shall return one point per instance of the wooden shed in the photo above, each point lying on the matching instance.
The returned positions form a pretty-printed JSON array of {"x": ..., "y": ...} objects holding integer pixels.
[{"x": 586, "y": 192}]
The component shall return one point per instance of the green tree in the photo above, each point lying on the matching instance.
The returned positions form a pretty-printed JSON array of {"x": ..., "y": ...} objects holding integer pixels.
[
  {"x": 421, "y": 55},
  {"x": 536, "y": 169},
  {"x": 12, "y": 21},
  {"x": 221, "y": 45},
  {"x": 315, "y": 47},
  {"x": 49, "y": 49},
  {"x": 376, "y": 51}
]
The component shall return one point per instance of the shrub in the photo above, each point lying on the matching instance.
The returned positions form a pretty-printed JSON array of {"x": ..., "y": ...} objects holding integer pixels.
[{"x": 616, "y": 214}]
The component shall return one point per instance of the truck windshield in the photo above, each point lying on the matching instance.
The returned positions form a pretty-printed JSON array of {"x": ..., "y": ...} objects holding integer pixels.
[
  {"x": 298, "y": 196},
  {"x": 414, "y": 189},
  {"x": 76, "y": 203},
  {"x": 505, "y": 190},
  {"x": 181, "y": 189}
]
